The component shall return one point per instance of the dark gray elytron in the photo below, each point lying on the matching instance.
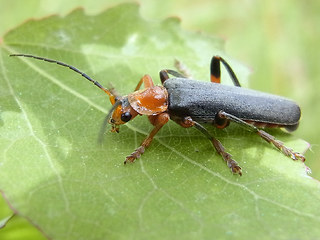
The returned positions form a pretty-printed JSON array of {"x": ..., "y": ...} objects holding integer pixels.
[{"x": 202, "y": 101}]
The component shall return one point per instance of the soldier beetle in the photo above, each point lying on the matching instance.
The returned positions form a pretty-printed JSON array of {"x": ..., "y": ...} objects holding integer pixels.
[{"x": 190, "y": 103}]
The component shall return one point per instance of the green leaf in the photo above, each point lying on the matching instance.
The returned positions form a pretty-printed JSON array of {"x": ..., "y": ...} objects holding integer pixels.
[
  {"x": 13, "y": 227},
  {"x": 55, "y": 174},
  {"x": 4, "y": 221}
]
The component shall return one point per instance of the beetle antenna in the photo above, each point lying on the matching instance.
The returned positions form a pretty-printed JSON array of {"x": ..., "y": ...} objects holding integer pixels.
[{"x": 111, "y": 96}]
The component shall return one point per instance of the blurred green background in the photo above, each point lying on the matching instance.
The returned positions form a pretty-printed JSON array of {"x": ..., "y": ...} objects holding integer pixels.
[{"x": 278, "y": 40}]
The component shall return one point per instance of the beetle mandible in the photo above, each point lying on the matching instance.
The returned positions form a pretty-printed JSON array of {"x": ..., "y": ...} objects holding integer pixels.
[{"x": 191, "y": 103}]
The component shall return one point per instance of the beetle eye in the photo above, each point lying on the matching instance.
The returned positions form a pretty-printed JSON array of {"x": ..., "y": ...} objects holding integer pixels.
[{"x": 125, "y": 117}]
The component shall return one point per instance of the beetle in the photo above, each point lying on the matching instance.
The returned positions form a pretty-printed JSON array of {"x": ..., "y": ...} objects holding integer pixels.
[{"x": 191, "y": 103}]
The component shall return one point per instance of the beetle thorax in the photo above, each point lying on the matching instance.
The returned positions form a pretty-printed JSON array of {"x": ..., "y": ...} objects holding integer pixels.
[{"x": 149, "y": 101}]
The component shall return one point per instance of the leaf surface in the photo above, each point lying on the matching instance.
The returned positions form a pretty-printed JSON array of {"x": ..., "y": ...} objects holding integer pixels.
[{"x": 54, "y": 173}]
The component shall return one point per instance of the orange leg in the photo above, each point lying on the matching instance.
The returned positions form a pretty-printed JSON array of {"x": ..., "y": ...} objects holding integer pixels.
[
  {"x": 147, "y": 82},
  {"x": 158, "y": 121}
]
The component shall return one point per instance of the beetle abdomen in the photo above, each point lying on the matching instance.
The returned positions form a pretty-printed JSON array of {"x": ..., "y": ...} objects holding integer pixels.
[{"x": 203, "y": 100}]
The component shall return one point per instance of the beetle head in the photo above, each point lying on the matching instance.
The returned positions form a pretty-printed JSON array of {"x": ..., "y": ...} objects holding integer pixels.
[
  {"x": 149, "y": 101},
  {"x": 120, "y": 113}
]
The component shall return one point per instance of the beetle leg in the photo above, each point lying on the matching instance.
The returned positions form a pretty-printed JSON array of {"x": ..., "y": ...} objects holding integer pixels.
[
  {"x": 215, "y": 72},
  {"x": 266, "y": 136},
  {"x": 182, "y": 68},
  {"x": 147, "y": 82},
  {"x": 232, "y": 164},
  {"x": 158, "y": 121},
  {"x": 164, "y": 74}
]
